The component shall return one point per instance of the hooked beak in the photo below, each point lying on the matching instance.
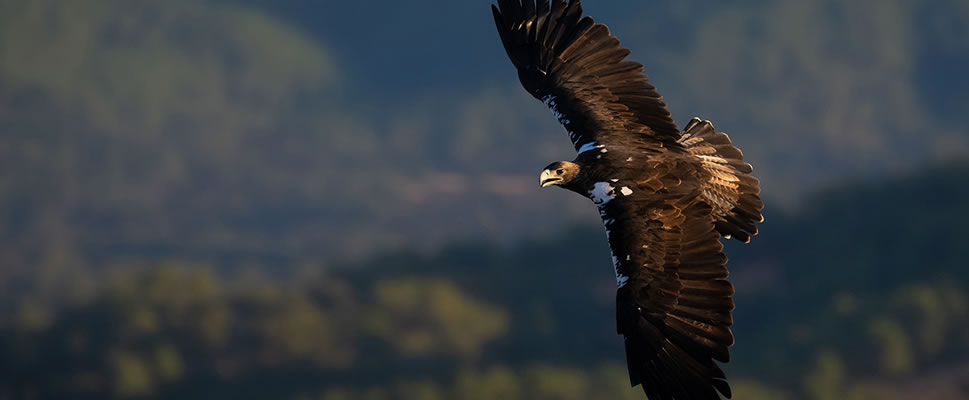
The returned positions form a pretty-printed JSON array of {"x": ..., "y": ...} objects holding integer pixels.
[{"x": 548, "y": 179}]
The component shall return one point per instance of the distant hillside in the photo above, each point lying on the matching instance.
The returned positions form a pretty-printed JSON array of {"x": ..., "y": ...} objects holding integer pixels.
[
  {"x": 862, "y": 269},
  {"x": 862, "y": 294}
]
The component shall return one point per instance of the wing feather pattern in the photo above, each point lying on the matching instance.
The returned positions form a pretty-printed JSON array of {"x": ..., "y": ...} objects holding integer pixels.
[
  {"x": 727, "y": 184},
  {"x": 579, "y": 70},
  {"x": 674, "y": 304}
]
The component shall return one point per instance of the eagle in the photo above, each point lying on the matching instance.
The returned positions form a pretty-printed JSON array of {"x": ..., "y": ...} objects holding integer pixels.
[{"x": 665, "y": 195}]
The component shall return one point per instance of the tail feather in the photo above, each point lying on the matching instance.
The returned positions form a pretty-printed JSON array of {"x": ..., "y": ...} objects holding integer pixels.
[{"x": 730, "y": 188}]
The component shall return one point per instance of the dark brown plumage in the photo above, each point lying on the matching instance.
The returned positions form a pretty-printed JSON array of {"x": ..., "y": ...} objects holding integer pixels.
[{"x": 665, "y": 196}]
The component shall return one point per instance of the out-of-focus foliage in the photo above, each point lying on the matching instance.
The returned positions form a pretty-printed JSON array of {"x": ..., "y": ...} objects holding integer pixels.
[
  {"x": 437, "y": 318},
  {"x": 126, "y": 124},
  {"x": 535, "y": 322}
]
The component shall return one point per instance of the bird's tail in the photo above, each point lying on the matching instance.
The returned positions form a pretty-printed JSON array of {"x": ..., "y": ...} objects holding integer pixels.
[{"x": 730, "y": 188}]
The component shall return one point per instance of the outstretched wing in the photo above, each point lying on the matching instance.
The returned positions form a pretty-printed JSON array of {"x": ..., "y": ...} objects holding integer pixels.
[
  {"x": 674, "y": 304},
  {"x": 727, "y": 185},
  {"x": 577, "y": 68}
]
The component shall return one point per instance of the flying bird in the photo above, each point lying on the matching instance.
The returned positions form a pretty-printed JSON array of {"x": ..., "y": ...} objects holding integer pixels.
[{"x": 665, "y": 195}]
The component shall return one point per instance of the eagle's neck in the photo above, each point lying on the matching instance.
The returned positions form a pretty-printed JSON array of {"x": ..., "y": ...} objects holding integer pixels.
[{"x": 585, "y": 179}]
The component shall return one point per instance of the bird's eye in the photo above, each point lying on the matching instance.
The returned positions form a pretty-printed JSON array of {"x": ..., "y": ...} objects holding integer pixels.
[{"x": 560, "y": 171}]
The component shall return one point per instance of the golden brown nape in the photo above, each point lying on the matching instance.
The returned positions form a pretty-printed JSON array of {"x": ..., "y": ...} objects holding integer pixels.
[{"x": 559, "y": 173}]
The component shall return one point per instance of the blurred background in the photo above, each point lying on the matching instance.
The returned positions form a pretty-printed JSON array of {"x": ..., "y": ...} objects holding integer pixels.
[{"x": 330, "y": 200}]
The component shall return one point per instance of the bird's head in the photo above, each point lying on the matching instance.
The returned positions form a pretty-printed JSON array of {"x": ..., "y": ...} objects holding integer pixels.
[{"x": 559, "y": 173}]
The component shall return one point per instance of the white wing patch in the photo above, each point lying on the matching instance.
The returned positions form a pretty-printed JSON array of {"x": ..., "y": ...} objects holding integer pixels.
[
  {"x": 602, "y": 192},
  {"x": 620, "y": 278},
  {"x": 590, "y": 146},
  {"x": 550, "y": 101}
]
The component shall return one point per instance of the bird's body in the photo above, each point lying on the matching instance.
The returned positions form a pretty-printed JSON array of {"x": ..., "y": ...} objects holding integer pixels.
[{"x": 665, "y": 196}]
